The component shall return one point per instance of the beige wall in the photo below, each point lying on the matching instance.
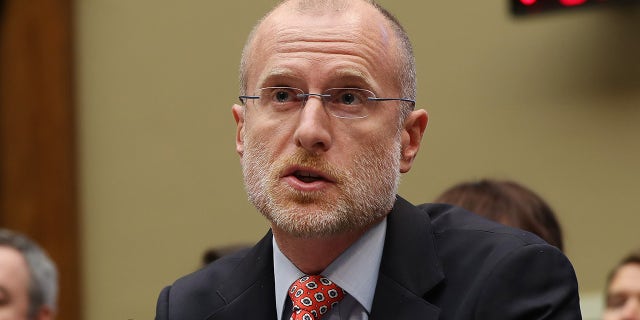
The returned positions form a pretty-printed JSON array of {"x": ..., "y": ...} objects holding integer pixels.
[{"x": 551, "y": 101}]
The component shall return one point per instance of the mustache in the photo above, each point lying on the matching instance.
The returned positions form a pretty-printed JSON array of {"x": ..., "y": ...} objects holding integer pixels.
[{"x": 305, "y": 158}]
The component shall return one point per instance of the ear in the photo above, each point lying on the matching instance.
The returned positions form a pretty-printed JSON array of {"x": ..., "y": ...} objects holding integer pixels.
[
  {"x": 238, "y": 115},
  {"x": 414, "y": 127}
]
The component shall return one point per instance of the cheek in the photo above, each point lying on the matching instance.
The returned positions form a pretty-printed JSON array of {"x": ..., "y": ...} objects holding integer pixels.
[
  {"x": 359, "y": 138},
  {"x": 265, "y": 127},
  {"x": 267, "y": 138},
  {"x": 383, "y": 134}
]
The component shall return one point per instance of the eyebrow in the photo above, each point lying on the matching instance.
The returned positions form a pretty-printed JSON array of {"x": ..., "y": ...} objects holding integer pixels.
[
  {"x": 277, "y": 74},
  {"x": 354, "y": 76},
  {"x": 351, "y": 76}
]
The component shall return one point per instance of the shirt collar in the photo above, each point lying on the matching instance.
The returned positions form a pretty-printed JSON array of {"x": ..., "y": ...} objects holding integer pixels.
[{"x": 355, "y": 270}]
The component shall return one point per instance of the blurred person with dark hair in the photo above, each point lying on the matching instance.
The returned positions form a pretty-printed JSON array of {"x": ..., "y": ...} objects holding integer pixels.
[
  {"x": 28, "y": 279},
  {"x": 509, "y": 203},
  {"x": 623, "y": 290}
]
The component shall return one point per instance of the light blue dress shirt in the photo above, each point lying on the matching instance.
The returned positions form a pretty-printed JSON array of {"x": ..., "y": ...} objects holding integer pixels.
[{"x": 355, "y": 271}]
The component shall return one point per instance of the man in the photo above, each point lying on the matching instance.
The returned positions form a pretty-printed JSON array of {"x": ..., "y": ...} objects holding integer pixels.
[
  {"x": 28, "y": 279},
  {"x": 326, "y": 126},
  {"x": 623, "y": 290}
]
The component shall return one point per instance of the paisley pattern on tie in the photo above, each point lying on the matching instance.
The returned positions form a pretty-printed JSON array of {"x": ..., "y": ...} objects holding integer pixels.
[{"x": 313, "y": 297}]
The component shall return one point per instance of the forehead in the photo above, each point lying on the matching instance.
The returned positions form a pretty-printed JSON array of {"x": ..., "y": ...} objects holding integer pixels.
[
  {"x": 627, "y": 278},
  {"x": 353, "y": 39},
  {"x": 14, "y": 273},
  {"x": 350, "y": 14}
]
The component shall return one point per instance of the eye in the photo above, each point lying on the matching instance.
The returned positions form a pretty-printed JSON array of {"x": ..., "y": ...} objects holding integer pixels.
[
  {"x": 616, "y": 301},
  {"x": 281, "y": 95},
  {"x": 349, "y": 97},
  {"x": 348, "y": 103},
  {"x": 280, "y": 99}
]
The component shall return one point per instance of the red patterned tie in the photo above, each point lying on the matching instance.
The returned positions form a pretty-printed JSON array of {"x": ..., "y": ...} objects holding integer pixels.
[{"x": 313, "y": 297}]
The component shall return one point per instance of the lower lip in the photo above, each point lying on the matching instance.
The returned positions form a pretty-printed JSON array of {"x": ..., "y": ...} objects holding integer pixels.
[{"x": 305, "y": 186}]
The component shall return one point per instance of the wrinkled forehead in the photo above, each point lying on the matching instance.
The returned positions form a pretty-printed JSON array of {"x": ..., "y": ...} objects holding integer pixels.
[{"x": 353, "y": 28}]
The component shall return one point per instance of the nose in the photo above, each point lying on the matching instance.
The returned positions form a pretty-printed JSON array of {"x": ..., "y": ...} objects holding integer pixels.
[{"x": 313, "y": 131}]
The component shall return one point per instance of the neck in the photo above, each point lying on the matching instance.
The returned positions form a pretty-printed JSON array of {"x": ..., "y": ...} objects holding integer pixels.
[{"x": 313, "y": 255}]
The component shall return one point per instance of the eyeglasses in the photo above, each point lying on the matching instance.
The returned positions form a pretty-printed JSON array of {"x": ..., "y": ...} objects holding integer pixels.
[{"x": 348, "y": 103}]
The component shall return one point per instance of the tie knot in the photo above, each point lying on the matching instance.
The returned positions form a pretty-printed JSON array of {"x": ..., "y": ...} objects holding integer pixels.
[{"x": 313, "y": 296}]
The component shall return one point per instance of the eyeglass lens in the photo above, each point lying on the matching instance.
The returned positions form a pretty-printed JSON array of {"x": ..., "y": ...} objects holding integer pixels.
[{"x": 340, "y": 102}]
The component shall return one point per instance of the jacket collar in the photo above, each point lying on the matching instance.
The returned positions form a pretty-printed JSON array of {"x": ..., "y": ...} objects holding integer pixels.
[
  {"x": 410, "y": 267},
  {"x": 409, "y": 270},
  {"x": 249, "y": 291}
]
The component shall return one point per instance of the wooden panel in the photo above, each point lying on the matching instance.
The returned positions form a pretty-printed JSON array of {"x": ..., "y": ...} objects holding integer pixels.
[{"x": 37, "y": 144}]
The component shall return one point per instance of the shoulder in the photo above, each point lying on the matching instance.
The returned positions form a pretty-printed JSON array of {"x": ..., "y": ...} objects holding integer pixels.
[
  {"x": 501, "y": 267},
  {"x": 456, "y": 225},
  {"x": 186, "y": 296},
  {"x": 214, "y": 273},
  {"x": 465, "y": 239},
  {"x": 211, "y": 288}
]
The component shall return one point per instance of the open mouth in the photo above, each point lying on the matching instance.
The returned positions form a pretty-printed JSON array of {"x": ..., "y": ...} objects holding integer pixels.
[{"x": 308, "y": 177}]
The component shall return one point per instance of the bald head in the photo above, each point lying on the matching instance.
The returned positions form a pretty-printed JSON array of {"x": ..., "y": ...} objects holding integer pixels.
[{"x": 403, "y": 67}]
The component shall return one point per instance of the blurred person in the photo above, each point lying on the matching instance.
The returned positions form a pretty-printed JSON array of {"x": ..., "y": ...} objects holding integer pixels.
[
  {"x": 623, "y": 290},
  {"x": 28, "y": 279},
  {"x": 326, "y": 125},
  {"x": 509, "y": 203}
]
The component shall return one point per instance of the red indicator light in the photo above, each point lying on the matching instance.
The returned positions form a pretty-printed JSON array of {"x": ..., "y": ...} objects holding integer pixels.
[
  {"x": 571, "y": 3},
  {"x": 534, "y": 7}
]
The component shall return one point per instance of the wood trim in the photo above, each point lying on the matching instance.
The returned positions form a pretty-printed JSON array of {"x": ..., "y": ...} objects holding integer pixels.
[{"x": 37, "y": 136}]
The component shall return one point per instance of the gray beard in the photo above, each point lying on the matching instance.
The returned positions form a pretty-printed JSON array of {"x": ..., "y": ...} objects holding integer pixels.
[{"x": 367, "y": 191}]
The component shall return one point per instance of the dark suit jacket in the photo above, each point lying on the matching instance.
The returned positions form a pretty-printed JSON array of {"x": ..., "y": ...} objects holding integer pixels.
[{"x": 439, "y": 262}]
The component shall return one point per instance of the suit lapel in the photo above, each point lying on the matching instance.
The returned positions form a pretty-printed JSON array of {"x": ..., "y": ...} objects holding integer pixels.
[
  {"x": 249, "y": 291},
  {"x": 410, "y": 267},
  {"x": 408, "y": 271},
  {"x": 393, "y": 301}
]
